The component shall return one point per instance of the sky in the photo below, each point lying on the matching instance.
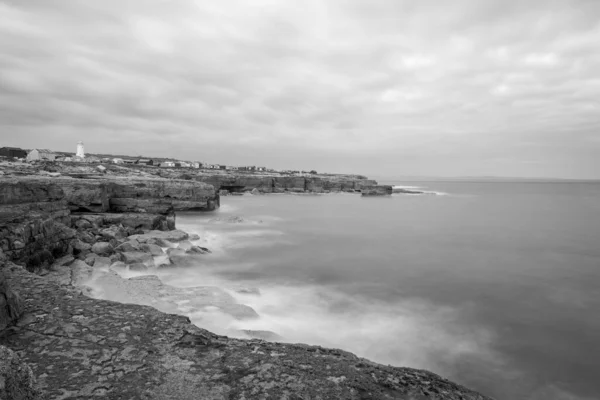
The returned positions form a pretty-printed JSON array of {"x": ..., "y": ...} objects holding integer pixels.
[{"x": 380, "y": 87}]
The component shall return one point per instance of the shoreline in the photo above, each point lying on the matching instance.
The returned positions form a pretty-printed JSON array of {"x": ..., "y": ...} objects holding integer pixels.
[{"x": 68, "y": 232}]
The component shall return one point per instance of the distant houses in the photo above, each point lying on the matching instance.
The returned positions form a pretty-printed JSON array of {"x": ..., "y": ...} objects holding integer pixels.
[
  {"x": 145, "y": 161},
  {"x": 13, "y": 152},
  {"x": 41, "y": 155}
]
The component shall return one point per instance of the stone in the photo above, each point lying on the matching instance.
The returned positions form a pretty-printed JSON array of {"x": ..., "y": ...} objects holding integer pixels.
[
  {"x": 160, "y": 242},
  {"x": 171, "y": 236},
  {"x": 194, "y": 236},
  {"x": 80, "y": 248},
  {"x": 81, "y": 273},
  {"x": 185, "y": 245},
  {"x": 198, "y": 250},
  {"x": 114, "y": 232},
  {"x": 101, "y": 168},
  {"x": 118, "y": 266},
  {"x": 133, "y": 257},
  {"x": 131, "y": 245},
  {"x": 102, "y": 262},
  {"x": 103, "y": 249},
  {"x": 83, "y": 224},
  {"x": 80, "y": 347},
  {"x": 152, "y": 249},
  {"x": 16, "y": 378},
  {"x": 138, "y": 267},
  {"x": 175, "y": 251},
  {"x": 90, "y": 259},
  {"x": 255, "y": 191}
]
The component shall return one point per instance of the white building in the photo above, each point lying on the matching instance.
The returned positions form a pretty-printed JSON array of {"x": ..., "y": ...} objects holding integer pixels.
[
  {"x": 41, "y": 154},
  {"x": 80, "y": 151}
]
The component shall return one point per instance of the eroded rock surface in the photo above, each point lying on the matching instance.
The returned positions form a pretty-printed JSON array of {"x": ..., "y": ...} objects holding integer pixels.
[{"x": 79, "y": 347}]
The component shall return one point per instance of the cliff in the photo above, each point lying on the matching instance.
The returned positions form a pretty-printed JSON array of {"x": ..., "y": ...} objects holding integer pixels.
[
  {"x": 80, "y": 347},
  {"x": 84, "y": 227}
]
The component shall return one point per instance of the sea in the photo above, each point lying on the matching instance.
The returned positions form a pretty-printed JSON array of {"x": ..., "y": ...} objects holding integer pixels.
[{"x": 494, "y": 285}]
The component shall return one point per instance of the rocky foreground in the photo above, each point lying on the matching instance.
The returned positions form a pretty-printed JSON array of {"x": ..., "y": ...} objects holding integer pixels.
[{"x": 59, "y": 234}]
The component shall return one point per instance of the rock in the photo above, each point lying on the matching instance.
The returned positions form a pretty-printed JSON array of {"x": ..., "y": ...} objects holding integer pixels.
[
  {"x": 101, "y": 168},
  {"x": 198, "y": 250},
  {"x": 114, "y": 232},
  {"x": 103, "y": 249},
  {"x": 131, "y": 245},
  {"x": 160, "y": 242},
  {"x": 223, "y": 192},
  {"x": 11, "y": 305},
  {"x": 262, "y": 335},
  {"x": 80, "y": 249},
  {"x": 194, "y": 236},
  {"x": 133, "y": 257},
  {"x": 65, "y": 260},
  {"x": 80, "y": 273},
  {"x": 255, "y": 191},
  {"x": 90, "y": 259},
  {"x": 118, "y": 266},
  {"x": 79, "y": 347},
  {"x": 152, "y": 249},
  {"x": 102, "y": 262},
  {"x": 185, "y": 245},
  {"x": 83, "y": 224},
  {"x": 176, "y": 251},
  {"x": 248, "y": 290},
  {"x": 138, "y": 267},
  {"x": 86, "y": 237},
  {"x": 378, "y": 190},
  {"x": 116, "y": 257},
  {"x": 16, "y": 379},
  {"x": 171, "y": 236}
]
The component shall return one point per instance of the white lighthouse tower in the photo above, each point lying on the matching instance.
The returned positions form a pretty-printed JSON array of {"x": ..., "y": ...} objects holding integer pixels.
[{"x": 80, "y": 152}]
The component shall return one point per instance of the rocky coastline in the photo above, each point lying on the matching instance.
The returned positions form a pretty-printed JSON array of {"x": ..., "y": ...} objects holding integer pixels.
[{"x": 69, "y": 232}]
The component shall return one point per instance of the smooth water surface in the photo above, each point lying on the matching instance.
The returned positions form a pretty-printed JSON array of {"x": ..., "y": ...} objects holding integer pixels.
[{"x": 494, "y": 285}]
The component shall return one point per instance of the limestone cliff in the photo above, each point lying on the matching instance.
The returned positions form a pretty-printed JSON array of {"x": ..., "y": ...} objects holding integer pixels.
[{"x": 81, "y": 347}]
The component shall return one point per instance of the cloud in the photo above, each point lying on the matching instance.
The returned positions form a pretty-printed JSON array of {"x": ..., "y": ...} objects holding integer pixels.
[{"x": 354, "y": 80}]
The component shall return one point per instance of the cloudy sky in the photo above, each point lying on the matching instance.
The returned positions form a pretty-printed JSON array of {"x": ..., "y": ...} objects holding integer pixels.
[{"x": 380, "y": 87}]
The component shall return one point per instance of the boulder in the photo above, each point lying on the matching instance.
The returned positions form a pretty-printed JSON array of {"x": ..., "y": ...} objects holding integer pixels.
[
  {"x": 171, "y": 236},
  {"x": 86, "y": 237},
  {"x": 80, "y": 273},
  {"x": 160, "y": 242},
  {"x": 101, "y": 168},
  {"x": 80, "y": 249},
  {"x": 118, "y": 266},
  {"x": 102, "y": 262},
  {"x": 133, "y": 257},
  {"x": 194, "y": 236},
  {"x": 185, "y": 245},
  {"x": 90, "y": 259},
  {"x": 16, "y": 379},
  {"x": 198, "y": 250},
  {"x": 11, "y": 305},
  {"x": 152, "y": 249},
  {"x": 114, "y": 232},
  {"x": 103, "y": 248},
  {"x": 131, "y": 245},
  {"x": 255, "y": 191},
  {"x": 138, "y": 267},
  {"x": 175, "y": 251}
]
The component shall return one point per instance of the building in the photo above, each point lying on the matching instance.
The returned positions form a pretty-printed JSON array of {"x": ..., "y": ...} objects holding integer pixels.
[
  {"x": 145, "y": 161},
  {"x": 128, "y": 161},
  {"x": 80, "y": 151},
  {"x": 167, "y": 164},
  {"x": 14, "y": 152},
  {"x": 91, "y": 159},
  {"x": 261, "y": 169},
  {"x": 41, "y": 155},
  {"x": 196, "y": 165},
  {"x": 117, "y": 161}
]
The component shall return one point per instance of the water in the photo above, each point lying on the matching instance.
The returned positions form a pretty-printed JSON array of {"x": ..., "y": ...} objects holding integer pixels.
[{"x": 493, "y": 285}]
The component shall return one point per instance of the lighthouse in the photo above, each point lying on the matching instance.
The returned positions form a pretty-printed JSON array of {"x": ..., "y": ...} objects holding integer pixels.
[{"x": 80, "y": 152}]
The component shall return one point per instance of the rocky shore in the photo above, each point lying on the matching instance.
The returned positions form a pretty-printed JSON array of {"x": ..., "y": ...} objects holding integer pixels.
[{"x": 68, "y": 236}]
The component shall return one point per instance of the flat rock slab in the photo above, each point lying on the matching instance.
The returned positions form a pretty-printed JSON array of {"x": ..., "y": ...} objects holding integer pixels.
[
  {"x": 171, "y": 236},
  {"x": 149, "y": 290},
  {"x": 82, "y": 348}
]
